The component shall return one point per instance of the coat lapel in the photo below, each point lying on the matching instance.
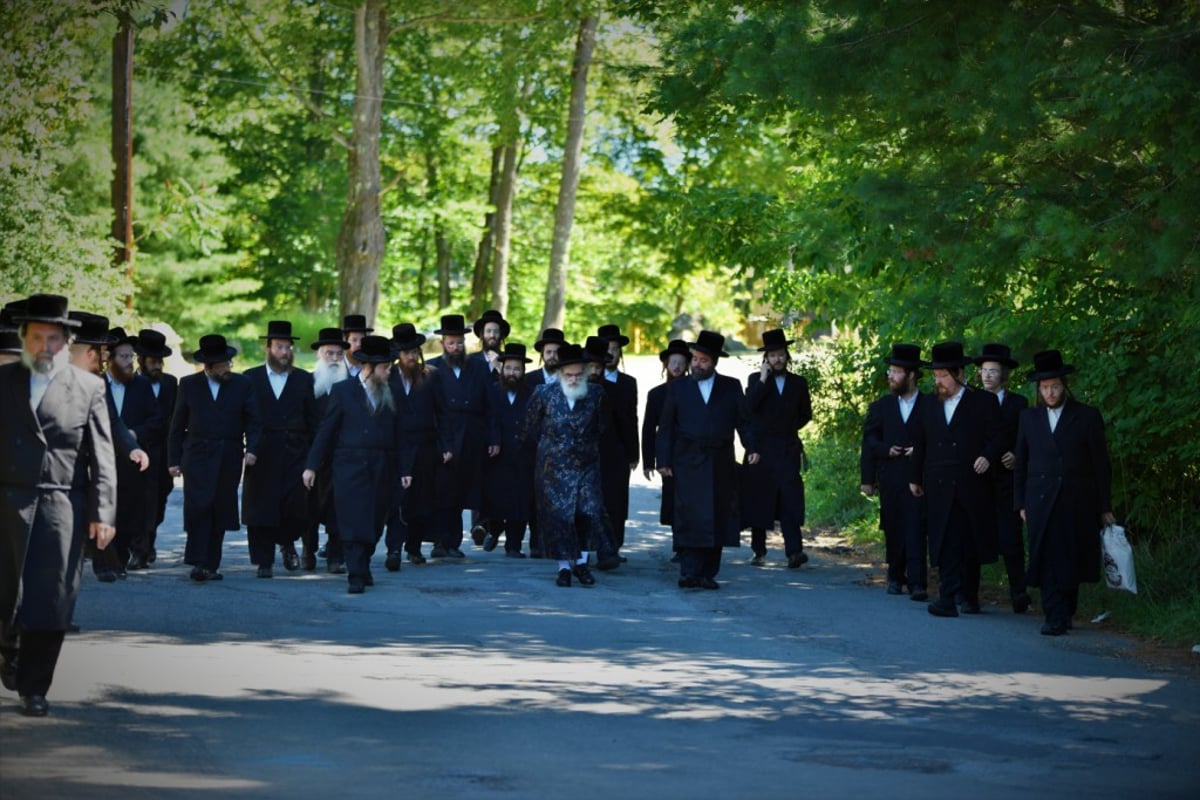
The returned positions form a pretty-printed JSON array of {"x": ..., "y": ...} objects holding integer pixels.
[{"x": 19, "y": 400}]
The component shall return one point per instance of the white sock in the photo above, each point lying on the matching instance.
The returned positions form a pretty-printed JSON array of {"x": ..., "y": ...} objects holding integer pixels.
[
  {"x": 582, "y": 559},
  {"x": 564, "y": 564}
]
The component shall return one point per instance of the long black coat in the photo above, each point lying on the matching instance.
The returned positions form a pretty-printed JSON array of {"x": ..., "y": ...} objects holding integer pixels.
[
  {"x": 57, "y": 473},
  {"x": 466, "y": 426},
  {"x": 653, "y": 413},
  {"x": 696, "y": 441},
  {"x": 508, "y": 478},
  {"x": 142, "y": 417},
  {"x": 206, "y": 441},
  {"x": 159, "y": 482},
  {"x": 1008, "y": 522},
  {"x": 273, "y": 493},
  {"x": 943, "y": 463},
  {"x": 775, "y": 482},
  {"x": 619, "y": 447},
  {"x": 883, "y": 428},
  {"x": 419, "y": 456},
  {"x": 1063, "y": 480},
  {"x": 361, "y": 447}
]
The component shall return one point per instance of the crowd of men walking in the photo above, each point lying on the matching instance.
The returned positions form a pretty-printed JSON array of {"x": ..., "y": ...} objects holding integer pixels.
[{"x": 376, "y": 445}]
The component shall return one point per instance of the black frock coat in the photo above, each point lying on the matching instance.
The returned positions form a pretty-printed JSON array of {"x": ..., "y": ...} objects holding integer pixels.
[
  {"x": 466, "y": 427},
  {"x": 883, "y": 428},
  {"x": 1008, "y": 522},
  {"x": 361, "y": 448},
  {"x": 57, "y": 473},
  {"x": 508, "y": 478},
  {"x": 775, "y": 482},
  {"x": 619, "y": 447},
  {"x": 273, "y": 493},
  {"x": 943, "y": 463},
  {"x": 418, "y": 455},
  {"x": 653, "y": 413},
  {"x": 695, "y": 440},
  {"x": 141, "y": 416},
  {"x": 159, "y": 482},
  {"x": 206, "y": 441},
  {"x": 1063, "y": 480}
]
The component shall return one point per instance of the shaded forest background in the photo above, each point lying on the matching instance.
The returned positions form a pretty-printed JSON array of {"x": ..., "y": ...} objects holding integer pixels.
[{"x": 860, "y": 172}]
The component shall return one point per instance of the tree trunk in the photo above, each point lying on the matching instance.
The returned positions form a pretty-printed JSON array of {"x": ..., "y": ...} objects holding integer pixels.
[
  {"x": 503, "y": 223},
  {"x": 564, "y": 214},
  {"x": 483, "y": 256},
  {"x": 361, "y": 242},
  {"x": 441, "y": 249}
]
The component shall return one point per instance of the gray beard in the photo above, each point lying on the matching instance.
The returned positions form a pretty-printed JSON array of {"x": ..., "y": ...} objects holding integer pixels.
[
  {"x": 325, "y": 375},
  {"x": 576, "y": 392},
  {"x": 381, "y": 394},
  {"x": 58, "y": 363}
]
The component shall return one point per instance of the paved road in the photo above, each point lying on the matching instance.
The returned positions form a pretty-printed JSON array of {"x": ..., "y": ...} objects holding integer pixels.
[{"x": 482, "y": 679}]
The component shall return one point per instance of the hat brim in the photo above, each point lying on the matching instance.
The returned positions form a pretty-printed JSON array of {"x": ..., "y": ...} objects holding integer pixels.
[
  {"x": 268, "y": 338},
  {"x": 452, "y": 331},
  {"x": 363, "y": 357},
  {"x": 1011, "y": 363},
  {"x": 957, "y": 364},
  {"x": 319, "y": 343},
  {"x": 162, "y": 352},
  {"x": 708, "y": 351},
  {"x": 784, "y": 345},
  {"x": 541, "y": 343},
  {"x": 66, "y": 322},
  {"x": 409, "y": 344},
  {"x": 505, "y": 328},
  {"x": 200, "y": 357},
  {"x": 620, "y": 339},
  {"x": 503, "y": 357},
  {"x": 901, "y": 362},
  {"x": 1065, "y": 369}
]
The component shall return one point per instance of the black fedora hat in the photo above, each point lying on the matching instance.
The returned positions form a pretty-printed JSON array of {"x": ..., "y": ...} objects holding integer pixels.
[
  {"x": 710, "y": 343},
  {"x": 492, "y": 315},
  {"x": 994, "y": 351},
  {"x": 674, "y": 347},
  {"x": 48, "y": 308},
  {"x": 93, "y": 328},
  {"x": 774, "y": 339},
  {"x": 453, "y": 325},
  {"x": 610, "y": 333},
  {"x": 1049, "y": 364},
  {"x": 405, "y": 337},
  {"x": 374, "y": 350},
  {"x": 9, "y": 313},
  {"x": 213, "y": 349},
  {"x": 279, "y": 329},
  {"x": 905, "y": 355},
  {"x": 330, "y": 336},
  {"x": 355, "y": 322},
  {"x": 10, "y": 341},
  {"x": 513, "y": 351},
  {"x": 947, "y": 355},
  {"x": 151, "y": 343},
  {"x": 117, "y": 337},
  {"x": 550, "y": 336},
  {"x": 571, "y": 354},
  {"x": 595, "y": 349}
]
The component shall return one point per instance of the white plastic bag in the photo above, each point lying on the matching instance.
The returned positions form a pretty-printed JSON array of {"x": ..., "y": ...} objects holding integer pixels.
[{"x": 1118, "y": 559}]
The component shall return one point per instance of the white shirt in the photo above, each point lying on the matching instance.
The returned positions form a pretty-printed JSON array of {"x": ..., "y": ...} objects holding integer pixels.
[
  {"x": 906, "y": 405},
  {"x": 1000, "y": 397},
  {"x": 706, "y": 387},
  {"x": 156, "y": 387},
  {"x": 1054, "y": 414},
  {"x": 278, "y": 381},
  {"x": 38, "y": 384},
  {"x": 549, "y": 377},
  {"x": 512, "y": 398},
  {"x": 949, "y": 406},
  {"x": 457, "y": 371},
  {"x": 117, "y": 389},
  {"x": 610, "y": 375},
  {"x": 571, "y": 403},
  {"x": 213, "y": 386},
  {"x": 779, "y": 383}
]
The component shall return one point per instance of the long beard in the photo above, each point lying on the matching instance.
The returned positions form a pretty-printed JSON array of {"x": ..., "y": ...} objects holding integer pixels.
[
  {"x": 60, "y": 361},
  {"x": 382, "y": 396},
  {"x": 454, "y": 359},
  {"x": 576, "y": 392},
  {"x": 325, "y": 375}
]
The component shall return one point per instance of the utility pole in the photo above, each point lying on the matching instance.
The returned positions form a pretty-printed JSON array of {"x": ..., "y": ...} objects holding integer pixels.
[{"x": 122, "y": 149}]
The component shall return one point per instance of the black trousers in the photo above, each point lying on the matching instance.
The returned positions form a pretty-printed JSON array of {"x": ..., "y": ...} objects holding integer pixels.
[
  {"x": 35, "y": 654},
  {"x": 699, "y": 562},
  {"x": 358, "y": 558},
  {"x": 261, "y": 541},
  {"x": 513, "y": 530},
  {"x": 1060, "y": 582},
  {"x": 958, "y": 562},
  {"x": 1012, "y": 549},
  {"x": 907, "y": 547},
  {"x": 447, "y": 527}
]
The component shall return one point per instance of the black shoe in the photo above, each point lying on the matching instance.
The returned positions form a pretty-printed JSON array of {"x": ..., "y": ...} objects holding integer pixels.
[
  {"x": 199, "y": 574},
  {"x": 918, "y": 594},
  {"x": 489, "y": 543},
  {"x": 564, "y": 578},
  {"x": 8, "y": 676},
  {"x": 416, "y": 558},
  {"x": 454, "y": 552},
  {"x": 106, "y": 576},
  {"x": 308, "y": 562},
  {"x": 893, "y": 587},
  {"x": 607, "y": 562},
  {"x": 34, "y": 705},
  {"x": 392, "y": 562},
  {"x": 213, "y": 575},
  {"x": 72, "y": 628},
  {"x": 709, "y": 583},
  {"x": 940, "y": 609},
  {"x": 291, "y": 561},
  {"x": 137, "y": 563},
  {"x": 439, "y": 552},
  {"x": 513, "y": 554},
  {"x": 356, "y": 586},
  {"x": 336, "y": 567},
  {"x": 1054, "y": 629},
  {"x": 368, "y": 579},
  {"x": 692, "y": 582},
  {"x": 583, "y": 574},
  {"x": 152, "y": 556},
  {"x": 1021, "y": 603},
  {"x": 266, "y": 572},
  {"x": 758, "y": 559},
  {"x": 478, "y": 534},
  {"x": 797, "y": 560}
]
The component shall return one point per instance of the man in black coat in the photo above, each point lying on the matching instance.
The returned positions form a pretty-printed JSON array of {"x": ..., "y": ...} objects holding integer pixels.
[
  {"x": 1062, "y": 485},
  {"x": 547, "y": 346},
  {"x": 695, "y": 446},
  {"x": 956, "y": 442},
  {"x": 468, "y": 433},
  {"x": 214, "y": 419},
  {"x": 411, "y": 521},
  {"x": 151, "y": 349},
  {"x": 995, "y": 364},
  {"x": 131, "y": 399},
  {"x": 508, "y": 478},
  {"x": 358, "y": 435},
  {"x": 492, "y": 329},
  {"x": 275, "y": 505},
  {"x": 58, "y": 488},
  {"x": 885, "y": 467},
  {"x": 675, "y": 361},
  {"x": 619, "y": 453},
  {"x": 773, "y": 489}
]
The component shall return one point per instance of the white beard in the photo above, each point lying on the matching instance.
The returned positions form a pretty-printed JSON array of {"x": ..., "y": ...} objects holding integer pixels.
[
  {"x": 60, "y": 362},
  {"x": 325, "y": 375},
  {"x": 576, "y": 392}
]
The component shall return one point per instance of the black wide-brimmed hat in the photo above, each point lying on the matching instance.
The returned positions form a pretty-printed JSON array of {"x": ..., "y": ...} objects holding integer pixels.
[
  {"x": 279, "y": 329},
  {"x": 492, "y": 315},
  {"x": 1049, "y": 364},
  {"x": 710, "y": 343},
  {"x": 9, "y": 313},
  {"x": 596, "y": 349},
  {"x": 405, "y": 337},
  {"x": 93, "y": 328},
  {"x": 947, "y": 355},
  {"x": 610, "y": 333},
  {"x": 513, "y": 351},
  {"x": 774, "y": 339},
  {"x": 151, "y": 343},
  {"x": 117, "y": 337},
  {"x": 213, "y": 349},
  {"x": 905, "y": 355},
  {"x": 571, "y": 354},
  {"x": 374, "y": 350},
  {"x": 332, "y": 336},
  {"x": 994, "y": 351},
  {"x": 550, "y": 336},
  {"x": 10, "y": 341},
  {"x": 355, "y": 323},
  {"x": 48, "y": 308},
  {"x": 453, "y": 325},
  {"x": 674, "y": 347}
]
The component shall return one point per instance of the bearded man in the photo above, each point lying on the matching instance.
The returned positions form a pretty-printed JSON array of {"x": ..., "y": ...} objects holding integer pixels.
[
  {"x": 674, "y": 359},
  {"x": 411, "y": 521},
  {"x": 151, "y": 349},
  {"x": 329, "y": 370},
  {"x": 508, "y": 478},
  {"x": 547, "y": 347}
]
